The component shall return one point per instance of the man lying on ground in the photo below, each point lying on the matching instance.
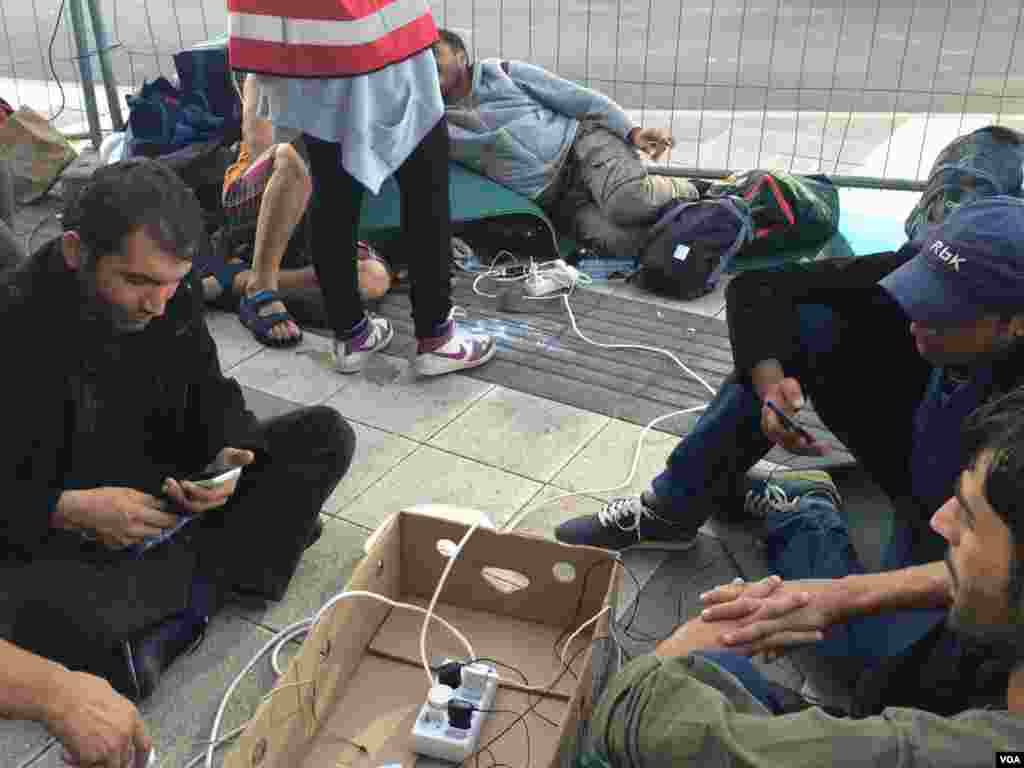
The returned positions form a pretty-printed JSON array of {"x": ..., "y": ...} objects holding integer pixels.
[{"x": 570, "y": 149}]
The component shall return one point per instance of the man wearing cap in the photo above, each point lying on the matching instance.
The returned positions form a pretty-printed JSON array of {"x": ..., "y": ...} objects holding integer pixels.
[{"x": 895, "y": 350}]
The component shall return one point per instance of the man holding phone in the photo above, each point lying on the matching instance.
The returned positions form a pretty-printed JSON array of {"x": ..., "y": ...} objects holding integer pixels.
[
  {"x": 119, "y": 408},
  {"x": 895, "y": 349}
]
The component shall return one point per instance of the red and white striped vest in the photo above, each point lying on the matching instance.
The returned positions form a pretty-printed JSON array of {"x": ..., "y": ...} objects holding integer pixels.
[{"x": 326, "y": 38}]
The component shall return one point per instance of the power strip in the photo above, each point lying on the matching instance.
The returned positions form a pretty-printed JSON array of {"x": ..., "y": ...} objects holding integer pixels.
[
  {"x": 556, "y": 277},
  {"x": 434, "y": 734}
]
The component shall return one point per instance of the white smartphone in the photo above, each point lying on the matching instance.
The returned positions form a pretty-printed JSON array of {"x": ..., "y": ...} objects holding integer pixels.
[{"x": 211, "y": 479}]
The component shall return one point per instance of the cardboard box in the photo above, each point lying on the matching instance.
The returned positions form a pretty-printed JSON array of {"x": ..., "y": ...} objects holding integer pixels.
[{"x": 356, "y": 685}]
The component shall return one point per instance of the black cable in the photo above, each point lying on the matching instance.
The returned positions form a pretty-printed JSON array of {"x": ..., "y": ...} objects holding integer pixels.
[
  {"x": 526, "y": 682},
  {"x": 526, "y": 727},
  {"x": 576, "y": 615},
  {"x": 634, "y": 635},
  {"x": 53, "y": 68},
  {"x": 533, "y": 706}
]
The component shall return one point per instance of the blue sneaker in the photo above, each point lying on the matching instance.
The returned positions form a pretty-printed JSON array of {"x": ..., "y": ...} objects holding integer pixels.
[
  {"x": 631, "y": 522},
  {"x": 782, "y": 491}
]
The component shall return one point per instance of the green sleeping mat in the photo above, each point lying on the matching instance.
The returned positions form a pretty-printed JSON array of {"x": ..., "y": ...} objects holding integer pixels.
[{"x": 871, "y": 221}]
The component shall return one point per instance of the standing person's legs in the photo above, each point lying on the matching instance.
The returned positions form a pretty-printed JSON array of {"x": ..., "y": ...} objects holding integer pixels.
[
  {"x": 334, "y": 221},
  {"x": 423, "y": 179}
]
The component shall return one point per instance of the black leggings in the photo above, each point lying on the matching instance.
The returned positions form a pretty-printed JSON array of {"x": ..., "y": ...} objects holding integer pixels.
[{"x": 426, "y": 230}]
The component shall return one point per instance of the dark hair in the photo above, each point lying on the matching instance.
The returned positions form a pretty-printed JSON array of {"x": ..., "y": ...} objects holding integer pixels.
[
  {"x": 1004, "y": 134},
  {"x": 453, "y": 41},
  {"x": 134, "y": 194},
  {"x": 996, "y": 430}
]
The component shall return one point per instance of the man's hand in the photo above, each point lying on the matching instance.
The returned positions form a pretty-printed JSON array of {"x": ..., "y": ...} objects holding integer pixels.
[
  {"x": 117, "y": 517},
  {"x": 194, "y": 498},
  {"x": 694, "y": 635},
  {"x": 653, "y": 141},
  {"x": 786, "y": 392},
  {"x": 771, "y": 615},
  {"x": 97, "y": 727}
]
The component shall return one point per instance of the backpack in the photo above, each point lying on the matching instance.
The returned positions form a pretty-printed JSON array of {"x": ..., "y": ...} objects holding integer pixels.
[
  {"x": 790, "y": 212},
  {"x": 164, "y": 118},
  {"x": 753, "y": 214},
  {"x": 691, "y": 244},
  {"x": 979, "y": 164}
]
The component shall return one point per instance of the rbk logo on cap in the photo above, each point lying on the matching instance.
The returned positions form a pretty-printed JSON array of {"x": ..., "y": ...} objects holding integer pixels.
[{"x": 951, "y": 259}]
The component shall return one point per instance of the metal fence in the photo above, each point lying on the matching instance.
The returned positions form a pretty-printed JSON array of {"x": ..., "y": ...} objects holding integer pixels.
[{"x": 866, "y": 88}]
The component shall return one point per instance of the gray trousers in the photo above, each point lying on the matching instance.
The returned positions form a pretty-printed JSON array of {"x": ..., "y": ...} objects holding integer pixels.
[
  {"x": 604, "y": 197},
  {"x": 11, "y": 252}
]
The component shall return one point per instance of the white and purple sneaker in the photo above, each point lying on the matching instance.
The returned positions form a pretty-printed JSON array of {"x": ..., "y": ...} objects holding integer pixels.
[
  {"x": 350, "y": 356},
  {"x": 453, "y": 349}
]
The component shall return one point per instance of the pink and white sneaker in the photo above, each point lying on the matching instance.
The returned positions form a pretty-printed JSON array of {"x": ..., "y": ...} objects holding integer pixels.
[
  {"x": 350, "y": 356},
  {"x": 454, "y": 349}
]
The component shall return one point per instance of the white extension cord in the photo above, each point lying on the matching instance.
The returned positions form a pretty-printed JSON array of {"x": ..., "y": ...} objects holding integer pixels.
[{"x": 557, "y": 276}]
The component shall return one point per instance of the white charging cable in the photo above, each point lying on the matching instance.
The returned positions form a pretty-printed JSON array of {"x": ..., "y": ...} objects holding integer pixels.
[
  {"x": 437, "y": 594},
  {"x": 581, "y": 278}
]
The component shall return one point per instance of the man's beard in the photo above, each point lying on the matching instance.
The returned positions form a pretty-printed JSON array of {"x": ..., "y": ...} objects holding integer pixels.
[
  {"x": 95, "y": 309},
  {"x": 1006, "y": 639}
]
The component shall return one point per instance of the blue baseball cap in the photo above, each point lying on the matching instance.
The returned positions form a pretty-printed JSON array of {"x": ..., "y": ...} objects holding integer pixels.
[{"x": 970, "y": 266}]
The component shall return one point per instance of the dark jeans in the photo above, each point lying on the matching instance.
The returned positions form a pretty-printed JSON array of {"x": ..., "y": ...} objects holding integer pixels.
[
  {"x": 942, "y": 673},
  {"x": 78, "y": 603},
  {"x": 426, "y": 231},
  {"x": 865, "y": 396},
  {"x": 813, "y": 542}
]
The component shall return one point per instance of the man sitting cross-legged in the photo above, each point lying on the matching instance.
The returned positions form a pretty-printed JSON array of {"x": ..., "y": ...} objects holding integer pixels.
[{"x": 112, "y": 557}]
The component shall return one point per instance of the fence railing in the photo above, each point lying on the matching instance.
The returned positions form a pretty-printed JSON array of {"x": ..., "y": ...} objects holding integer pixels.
[{"x": 858, "y": 88}]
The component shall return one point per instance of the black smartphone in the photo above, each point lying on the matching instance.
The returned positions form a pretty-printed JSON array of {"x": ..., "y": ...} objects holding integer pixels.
[{"x": 788, "y": 423}]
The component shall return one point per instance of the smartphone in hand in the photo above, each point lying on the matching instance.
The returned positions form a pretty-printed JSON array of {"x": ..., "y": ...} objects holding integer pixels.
[
  {"x": 788, "y": 422},
  {"x": 213, "y": 478}
]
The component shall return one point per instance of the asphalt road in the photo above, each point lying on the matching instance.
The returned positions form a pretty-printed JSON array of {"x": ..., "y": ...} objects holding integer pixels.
[{"x": 911, "y": 55}]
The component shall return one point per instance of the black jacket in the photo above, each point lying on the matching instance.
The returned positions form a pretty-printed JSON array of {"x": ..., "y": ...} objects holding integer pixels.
[
  {"x": 762, "y": 311},
  {"x": 55, "y": 354}
]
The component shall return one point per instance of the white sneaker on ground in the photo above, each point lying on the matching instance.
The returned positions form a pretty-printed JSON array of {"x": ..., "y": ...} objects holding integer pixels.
[
  {"x": 454, "y": 349},
  {"x": 350, "y": 356}
]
